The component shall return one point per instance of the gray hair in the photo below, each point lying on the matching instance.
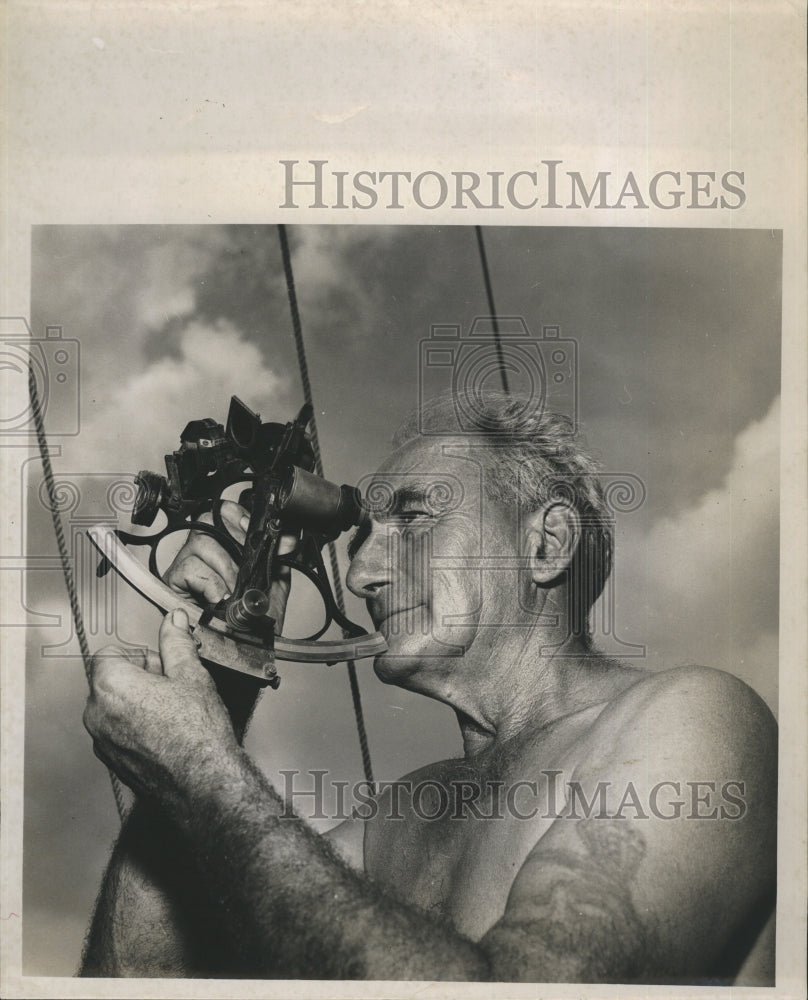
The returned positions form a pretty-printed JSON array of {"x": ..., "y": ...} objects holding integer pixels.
[{"x": 535, "y": 456}]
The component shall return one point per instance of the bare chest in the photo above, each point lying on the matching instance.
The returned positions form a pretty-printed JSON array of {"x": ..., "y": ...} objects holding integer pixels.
[{"x": 454, "y": 842}]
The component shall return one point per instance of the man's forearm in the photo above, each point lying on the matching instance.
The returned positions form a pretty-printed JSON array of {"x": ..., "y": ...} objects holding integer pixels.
[
  {"x": 150, "y": 918},
  {"x": 288, "y": 905},
  {"x": 295, "y": 908}
]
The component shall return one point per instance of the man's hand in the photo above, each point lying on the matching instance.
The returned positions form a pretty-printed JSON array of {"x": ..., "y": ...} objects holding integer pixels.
[
  {"x": 203, "y": 570},
  {"x": 161, "y": 726}
]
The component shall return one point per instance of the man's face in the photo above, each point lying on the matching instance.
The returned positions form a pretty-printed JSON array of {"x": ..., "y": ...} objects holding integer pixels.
[{"x": 417, "y": 561}]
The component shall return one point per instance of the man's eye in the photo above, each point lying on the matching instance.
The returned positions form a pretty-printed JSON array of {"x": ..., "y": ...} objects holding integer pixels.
[{"x": 409, "y": 516}]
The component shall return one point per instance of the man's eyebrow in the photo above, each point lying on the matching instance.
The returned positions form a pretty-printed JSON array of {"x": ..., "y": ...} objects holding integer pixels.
[{"x": 413, "y": 493}]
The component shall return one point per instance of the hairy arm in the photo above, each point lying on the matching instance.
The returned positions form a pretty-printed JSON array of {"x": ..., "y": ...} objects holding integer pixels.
[
  {"x": 597, "y": 899},
  {"x": 635, "y": 894},
  {"x": 297, "y": 909},
  {"x": 153, "y": 915},
  {"x": 149, "y": 920}
]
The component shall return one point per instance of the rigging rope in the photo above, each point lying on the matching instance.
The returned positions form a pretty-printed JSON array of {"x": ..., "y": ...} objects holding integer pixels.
[
  {"x": 492, "y": 309},
  {"x": 332, "y": 551},
  {"x": 67, "y": 570}
]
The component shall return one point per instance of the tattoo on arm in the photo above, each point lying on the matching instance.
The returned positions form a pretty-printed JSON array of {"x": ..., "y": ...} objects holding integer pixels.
[{"x": 571, "y": 917}]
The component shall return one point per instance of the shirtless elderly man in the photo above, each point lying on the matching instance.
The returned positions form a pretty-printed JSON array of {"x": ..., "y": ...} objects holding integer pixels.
[{"x": 604, "y": 824}]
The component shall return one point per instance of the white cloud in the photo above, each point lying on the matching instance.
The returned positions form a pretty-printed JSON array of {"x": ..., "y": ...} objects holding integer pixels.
[
  {"x": 712, "y": 535},
  {"x": 702, "y": 586},
  {"x": 163, "y": 304},
  {"x": 134, "y": 423},
  {"x": 170, "y": 272}
]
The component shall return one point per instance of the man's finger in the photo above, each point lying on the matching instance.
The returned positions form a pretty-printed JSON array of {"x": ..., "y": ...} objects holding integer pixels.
[
  {"x": 111, "y": 665},
  {"x": 138, "y": 656},
  {"x": 287, "y": 543},
  {"x": 178, "y": 649},
  {"x": 210, "y": 553},
  {"x": 191, "y": 575},
  {"x": 236, "y": 519},
  {"x": 135, "y": 654},
  {"x": 153, "y": 664}
]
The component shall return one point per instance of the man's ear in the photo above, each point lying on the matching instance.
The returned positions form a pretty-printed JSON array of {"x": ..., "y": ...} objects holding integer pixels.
[{"x": 552, "y": 532}]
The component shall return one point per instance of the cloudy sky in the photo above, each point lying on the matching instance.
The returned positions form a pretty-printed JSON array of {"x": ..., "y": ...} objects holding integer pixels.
[{"x": 677, "y": 334}]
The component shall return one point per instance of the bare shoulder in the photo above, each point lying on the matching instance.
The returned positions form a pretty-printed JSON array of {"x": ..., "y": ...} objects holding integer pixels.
[
  {"x": 393, "y": 793},
  {"x": 364, "y": 838},
  {"x": 663, "y": 861},
  {"x": 717, "y": 687},
  {"x": 704, "y": 742},
  {"x": 697, "y": 711}
]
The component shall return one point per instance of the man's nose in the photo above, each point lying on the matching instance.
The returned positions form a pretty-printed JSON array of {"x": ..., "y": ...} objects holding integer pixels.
[{"x": 370, "y": 567}]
